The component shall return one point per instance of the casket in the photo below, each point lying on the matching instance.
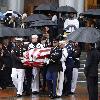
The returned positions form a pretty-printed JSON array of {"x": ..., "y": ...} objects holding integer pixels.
[{"x": 36, "y": 57}]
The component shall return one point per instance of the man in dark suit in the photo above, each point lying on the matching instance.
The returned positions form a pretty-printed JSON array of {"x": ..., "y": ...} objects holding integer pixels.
[{"x": 91, "y": 71}]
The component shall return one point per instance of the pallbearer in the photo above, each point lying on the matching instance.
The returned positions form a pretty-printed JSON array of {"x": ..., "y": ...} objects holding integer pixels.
[
  {"x": 18, "y": 71},
  {"x": 32, "y": 74}
]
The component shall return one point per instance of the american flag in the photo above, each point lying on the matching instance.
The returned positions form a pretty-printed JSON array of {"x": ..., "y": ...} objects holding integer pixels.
[{"x": 36, "y": 57}]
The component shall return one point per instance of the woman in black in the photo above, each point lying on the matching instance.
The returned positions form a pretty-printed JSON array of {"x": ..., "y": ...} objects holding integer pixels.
[{"x": 91, "y": 71}]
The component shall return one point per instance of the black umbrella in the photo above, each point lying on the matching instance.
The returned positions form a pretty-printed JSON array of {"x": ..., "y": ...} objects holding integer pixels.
[
  {"x": 66, "y": 9},
  {"x": 43, "y": 23},
  {"x": 27, "y": 32},
  {"x": 92, "y": 12},
  {"x": 7, "y": 31},
  {"x": 36, "y": 17},
  {"x": 47, "y": 7},
  {"x": 85, "y": 34}
]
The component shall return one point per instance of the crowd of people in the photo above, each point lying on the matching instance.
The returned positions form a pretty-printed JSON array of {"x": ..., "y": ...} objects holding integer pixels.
[{"x": 60, "y": 71}]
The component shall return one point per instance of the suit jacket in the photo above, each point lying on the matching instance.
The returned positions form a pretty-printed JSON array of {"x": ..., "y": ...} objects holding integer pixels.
[{"x": 92, "y": 61}]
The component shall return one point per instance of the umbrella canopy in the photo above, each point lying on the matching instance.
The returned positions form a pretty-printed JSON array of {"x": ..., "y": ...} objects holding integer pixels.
[
  {"x": 27, "y": 32},
  {"x": 12, "y": 13},
  {"x": 36, "y": 17},
  {"x": 47, "y": 7},
  {"x": 43, "y": 23},
  {"x": 66, "y": 9},
  {"x": 85, "y": 34},
  {"x": 7, "y": 31},
  {"x": 92, "y": 12}
]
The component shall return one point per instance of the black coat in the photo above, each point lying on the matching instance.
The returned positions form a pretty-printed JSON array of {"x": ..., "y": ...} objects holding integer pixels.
[
  {"x": 1, "y": 60},
  {"x": 17, "y": 53},
  {"x": 92, "y": 61},
  {"x": 55, "y": 63}
]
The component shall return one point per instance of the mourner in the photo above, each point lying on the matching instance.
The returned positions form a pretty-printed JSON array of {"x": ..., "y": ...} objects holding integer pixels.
[
  {"x": 7, "y": 61},
  {"x": 2, "y": 69},
  {"x": 91, "y": 71},
  {"x": 71, "y": 24},
  {"x": 54, "y": 67}
]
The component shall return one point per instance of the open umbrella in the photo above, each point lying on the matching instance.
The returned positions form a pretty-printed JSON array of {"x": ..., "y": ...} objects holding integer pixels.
[
  {"x": 47, "y": 7},
  {"x": 36, "y": 17},
  {"x": 27, "y": 32},
  {"x": 66, "y": 9},
  {"x": 92, "y": 12},
  {"x": 85, "y": 34},
  {"x": 7, "y": 31},
  {"x": 43, "y": 23}
]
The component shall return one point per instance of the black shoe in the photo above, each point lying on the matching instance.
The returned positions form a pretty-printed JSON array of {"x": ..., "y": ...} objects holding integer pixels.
[
  {"x": 71, "y": 93},
  {"x": 58, "y": 96},
  {"x": 35, "y": 93},
  {"x": 53, "y": 97},
  {"x": 67, "y": 94},
  {"x": 26, "y": 94},
  {"x": 18, "y": 95}
]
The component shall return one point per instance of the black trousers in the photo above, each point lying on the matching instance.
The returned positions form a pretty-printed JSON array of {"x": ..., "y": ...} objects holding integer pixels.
[
  {"x": 68, "y": 74},
  {"x": 3, "y": 81},
  {"x": 92, "y": 86},
  {"x": 28, "y": 80}
]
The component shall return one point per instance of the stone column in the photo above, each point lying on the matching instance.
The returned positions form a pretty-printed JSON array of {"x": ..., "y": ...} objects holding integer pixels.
[
  {"x": 70, "y": 3},
  {"x": 16, "y": 5},
  {"x": 12, "y": 5},
  {"x": 61, "y": 3},
  {"x": 77, "y": 4},
  {"x": 80, "y": 7},
  {"x": 20, "y": 6},
  {"x": 67, "y": 2}
]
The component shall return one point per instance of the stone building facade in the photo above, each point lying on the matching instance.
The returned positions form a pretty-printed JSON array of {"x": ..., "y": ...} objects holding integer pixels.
[{"x": 29, "y": 5}]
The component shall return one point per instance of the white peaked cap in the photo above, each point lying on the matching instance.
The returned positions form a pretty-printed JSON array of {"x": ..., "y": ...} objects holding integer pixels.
[
  {"x": 62, "y": 42},
  {"x": 19, "y": 39},
  {"x": 34, "y": 36}
]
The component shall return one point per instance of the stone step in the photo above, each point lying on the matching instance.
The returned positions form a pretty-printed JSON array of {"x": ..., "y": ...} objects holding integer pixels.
[
  {"x": 81, "y": 69},
  {"x": 82, "y": 65},
  {"x": 82, "y": 61}
]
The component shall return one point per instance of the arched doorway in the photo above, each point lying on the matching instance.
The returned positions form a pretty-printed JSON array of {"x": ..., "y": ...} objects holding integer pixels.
[{"x": 30, "y": 5}]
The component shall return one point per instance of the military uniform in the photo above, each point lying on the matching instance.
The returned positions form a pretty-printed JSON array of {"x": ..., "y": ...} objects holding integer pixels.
[
  {"x": 33, "y": 80},
  {"x": 18, "y": 71},
  {"x": 61, "y": 73},
  {"x": 77, "y": 53},
  {"x": 54, "y": 67},
  {"x": 69, "y": 63},
  {"x": 2, "y": 71}
]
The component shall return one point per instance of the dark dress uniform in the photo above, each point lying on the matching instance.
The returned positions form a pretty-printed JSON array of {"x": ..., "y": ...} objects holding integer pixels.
[
  {"x": 8, "y": 64},
  {"x": 2, "y": 71},
  {"x": 69, "y": 67},
  {"x": 53, "y": 68},
  {"x": 91, "y": 73},
  {"x": 18, "y": 71}
]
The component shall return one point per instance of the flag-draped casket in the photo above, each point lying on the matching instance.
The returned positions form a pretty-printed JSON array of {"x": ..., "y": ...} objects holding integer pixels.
[{"x": 36, "y": 57}]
